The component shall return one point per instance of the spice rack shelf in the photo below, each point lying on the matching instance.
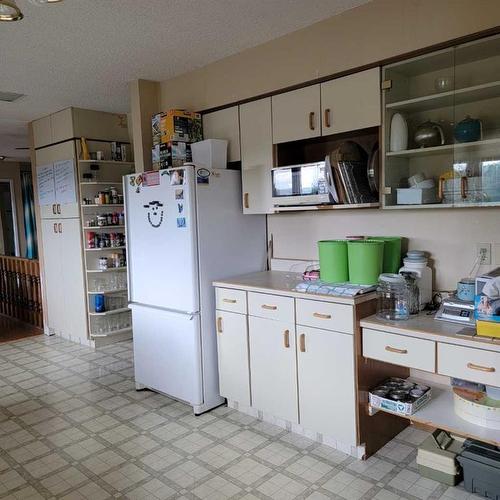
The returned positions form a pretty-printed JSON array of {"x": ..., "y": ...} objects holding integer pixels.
[
  {"x": 90, "y": 174},
  {"x": 95, "y": 228}
]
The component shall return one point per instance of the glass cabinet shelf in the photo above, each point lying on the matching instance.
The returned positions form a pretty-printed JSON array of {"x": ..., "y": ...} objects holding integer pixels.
[{"x": 441, "y": 128}]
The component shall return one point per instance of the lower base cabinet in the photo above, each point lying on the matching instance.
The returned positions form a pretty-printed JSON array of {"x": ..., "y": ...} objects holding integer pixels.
[
  {"x": 327, "y": 395},
  {"x": 232, "y": 350},
  {"x": 273, "y": 367}
]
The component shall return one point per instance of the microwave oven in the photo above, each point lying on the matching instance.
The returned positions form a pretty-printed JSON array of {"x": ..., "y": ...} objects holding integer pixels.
[{"x": 305, "y": 184}]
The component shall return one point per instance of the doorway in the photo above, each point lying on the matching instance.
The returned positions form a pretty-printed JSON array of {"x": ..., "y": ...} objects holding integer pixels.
[{"x": 9, "y": 236}]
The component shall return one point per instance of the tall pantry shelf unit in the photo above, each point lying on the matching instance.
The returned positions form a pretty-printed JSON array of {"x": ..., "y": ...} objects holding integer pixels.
[
  {"x": 442, "y": 124},
  {"x": 103, "y": 232}
]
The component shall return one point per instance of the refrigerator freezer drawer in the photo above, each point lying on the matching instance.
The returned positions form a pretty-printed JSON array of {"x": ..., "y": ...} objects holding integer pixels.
[{"x": 167, "y": 353}]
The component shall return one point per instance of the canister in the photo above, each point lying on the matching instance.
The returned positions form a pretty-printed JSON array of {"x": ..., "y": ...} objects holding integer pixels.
[
  {"x": 333, "y": 265},
  {"x": 365, "y": 261}
]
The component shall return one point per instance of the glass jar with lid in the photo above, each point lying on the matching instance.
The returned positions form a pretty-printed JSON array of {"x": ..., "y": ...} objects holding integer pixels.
[{"x": 393, "y": 297}]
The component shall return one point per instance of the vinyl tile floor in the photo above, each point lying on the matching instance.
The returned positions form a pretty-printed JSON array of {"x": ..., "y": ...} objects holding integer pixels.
[{"x": 73, "y": 426}]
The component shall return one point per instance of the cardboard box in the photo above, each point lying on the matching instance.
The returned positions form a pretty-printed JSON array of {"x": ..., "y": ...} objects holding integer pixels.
[
  {"x": 399, "y": 407},
  {"x": 487, "y": 301},
  {"x": 174, "y": 154},
  {"x": 156, "y": 128},
  {"x": 180, "y": 125}
]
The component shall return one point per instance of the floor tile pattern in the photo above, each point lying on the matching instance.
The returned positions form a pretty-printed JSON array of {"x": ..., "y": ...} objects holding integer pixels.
[{"x": 72, "y": 426}]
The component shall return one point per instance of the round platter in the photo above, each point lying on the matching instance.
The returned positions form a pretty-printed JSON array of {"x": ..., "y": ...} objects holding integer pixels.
[{"x": 477, "y": 408}]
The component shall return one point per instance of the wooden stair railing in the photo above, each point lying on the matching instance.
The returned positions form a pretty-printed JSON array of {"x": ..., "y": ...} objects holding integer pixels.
[{"x": 20, "y": 290}]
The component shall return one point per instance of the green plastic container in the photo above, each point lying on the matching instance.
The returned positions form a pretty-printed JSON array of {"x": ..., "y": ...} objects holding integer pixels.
[
  {"x": 333, "y": 266},
  {"x": 392, "y": 252},
  {"x": 365, "y": 261}
]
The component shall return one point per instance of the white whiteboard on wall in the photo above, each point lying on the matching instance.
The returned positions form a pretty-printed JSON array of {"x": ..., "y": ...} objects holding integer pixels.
[
  {"x": 64, "y": 180},
  {"x": 46, "y": 185}
]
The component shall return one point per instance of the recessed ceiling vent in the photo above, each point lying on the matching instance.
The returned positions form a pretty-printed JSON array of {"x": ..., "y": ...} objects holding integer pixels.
[{"x": 9, "y": 96}]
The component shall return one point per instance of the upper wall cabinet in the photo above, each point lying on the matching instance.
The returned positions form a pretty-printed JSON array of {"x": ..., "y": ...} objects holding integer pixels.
[
  {"x": 224, "y": 124},
  {"x": 442, "y": 128},
  {"x": 296, "y": 114},
  {"x": 351, "y": 102},
  {"x": 348, "y": 103},
  {"x": 256, "y": 138},
  {"x": 53, "y": 128}
]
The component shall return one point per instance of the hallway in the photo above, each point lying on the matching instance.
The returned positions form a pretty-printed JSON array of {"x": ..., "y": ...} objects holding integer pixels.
[{"x": 11, "y": 329}]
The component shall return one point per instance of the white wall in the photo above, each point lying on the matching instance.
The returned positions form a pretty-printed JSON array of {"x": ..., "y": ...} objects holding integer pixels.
[{"x": 449, "y": 235}]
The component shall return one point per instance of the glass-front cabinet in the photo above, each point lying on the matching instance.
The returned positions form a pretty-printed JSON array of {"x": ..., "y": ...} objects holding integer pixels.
[{"x": 441, "y": 130}]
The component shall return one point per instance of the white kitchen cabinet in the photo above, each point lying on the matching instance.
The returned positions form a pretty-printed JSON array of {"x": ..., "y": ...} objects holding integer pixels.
[
  {"x": 63, "y": 277},
  {"x": 273, "y": 369},
  {"x": 53, "y": 128},
  {"x": 327, "y": 390},
  {"x": 232, "y": 351},
  {"x": 256, "y": 137},
  {"x": 51, "y": 244},
  {"x": 296, "y": 114},
  {"x": 224, "y": 124},
  {"x": 351, "y": 102}
]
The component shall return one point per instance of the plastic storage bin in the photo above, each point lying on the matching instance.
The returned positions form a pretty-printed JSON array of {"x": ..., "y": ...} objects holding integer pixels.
[
  {"x": 333, "y": 261},
  {"x": 366, "y": 259},
  {"x": 211, "y": 153},
  {"x": 481, "y": 465},
  {"x": 392, "y": 252}
]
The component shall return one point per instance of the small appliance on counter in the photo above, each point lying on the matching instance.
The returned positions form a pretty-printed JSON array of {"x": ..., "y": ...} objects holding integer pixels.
[{"x": 457, "y": 311}]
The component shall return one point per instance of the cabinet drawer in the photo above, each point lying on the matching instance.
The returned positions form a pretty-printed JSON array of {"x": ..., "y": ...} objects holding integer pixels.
[
  {"x": 399, "y": 350},
  {"x": 231, "y": 300},
  {"x": 275, "y": 307},
  {"x": 337, "y": 317},
  {"x": 468, "y": 363}
]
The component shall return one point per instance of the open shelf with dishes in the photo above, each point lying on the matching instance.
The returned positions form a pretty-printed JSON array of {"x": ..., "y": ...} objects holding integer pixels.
[
  {"x": 441, "y": 128},
  {"x": 103, "y": 233}
]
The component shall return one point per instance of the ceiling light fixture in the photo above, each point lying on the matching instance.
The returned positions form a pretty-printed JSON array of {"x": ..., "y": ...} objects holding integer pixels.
[{"x": 9, "y": 11}]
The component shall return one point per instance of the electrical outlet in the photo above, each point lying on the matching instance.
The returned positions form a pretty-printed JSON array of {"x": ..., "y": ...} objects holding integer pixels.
[{"x": 483, "y": 253}]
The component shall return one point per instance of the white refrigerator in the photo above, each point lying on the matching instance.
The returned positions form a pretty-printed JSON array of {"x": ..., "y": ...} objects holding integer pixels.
[{"x": 185, "y": 229}]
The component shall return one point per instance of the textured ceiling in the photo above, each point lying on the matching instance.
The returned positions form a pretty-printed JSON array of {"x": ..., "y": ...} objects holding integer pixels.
[{"x": 84, "y": 52}]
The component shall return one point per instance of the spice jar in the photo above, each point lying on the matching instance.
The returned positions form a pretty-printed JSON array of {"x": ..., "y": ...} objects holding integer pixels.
[
  {"x": 103, "y": 263},
  {"x": 101, "y": 220}
]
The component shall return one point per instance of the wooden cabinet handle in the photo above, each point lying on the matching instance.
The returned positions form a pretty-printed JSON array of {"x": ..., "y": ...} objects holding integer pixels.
[
  {"x": 55, "y": 227},
  {"x": 327, "y": 117},
  {"x": 311, "y": 120},
  {"x": 60, "y": 227},
  {"x": 229, "y": 301},
  {"x": 246, "y": 204},
  {"x": 286, "y": 339},
  {"x": 489, "y": 369},
  {"x": 59, "y": 209},
  {"x": 322, "y": 316},
  {"x": 463, "y": 187},
  {"x": 268, "y": 307},
  {"x": 302, "y": 342},
  {"x": 219, "y": 324},
  {"x": 395, "y": 350},
  {"x": 54, "y": 209},
  {"x": 441, "y": 189}
]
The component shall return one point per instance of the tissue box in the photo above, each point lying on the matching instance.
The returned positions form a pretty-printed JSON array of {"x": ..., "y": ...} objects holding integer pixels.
[
  {"x": 179, "y": 125},
  {"x": 487, "y": 302},
  {"x": 416, "y": 196}
]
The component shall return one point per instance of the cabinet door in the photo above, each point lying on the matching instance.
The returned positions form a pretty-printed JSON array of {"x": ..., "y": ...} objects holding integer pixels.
[
  {"x": 224, "y": 124},
  {"x": 327, "y": 399},
  {"x": 52, "y": 285},
  {"x": 351, "y": 102},
  {"x": 71, "y": 280},
  {"x": 256, "y": 137},
  {"x": 232, "y": 350},
  {"x": 296, "y": 114},
  {"x": 62, "y": 125},
  {"x": 42, "y": 132},
  {"x": 65, "y": 189},
  {"x": 273, "y": 368}
]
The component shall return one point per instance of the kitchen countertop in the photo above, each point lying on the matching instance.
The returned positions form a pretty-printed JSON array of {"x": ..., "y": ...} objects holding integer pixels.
[
  {"x": 283, "y": 283},
  {"x": 425, "y": 326}
]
